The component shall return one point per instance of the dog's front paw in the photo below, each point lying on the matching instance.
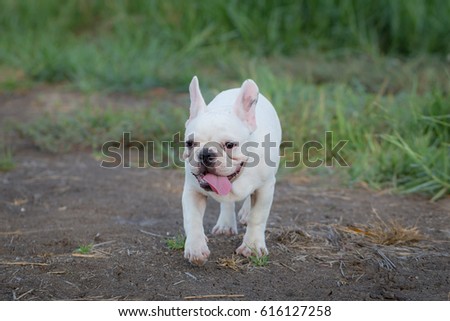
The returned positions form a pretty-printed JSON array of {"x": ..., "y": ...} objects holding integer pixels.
[
  {"x": 196, "y": 251},
  {"x": 250, "y": 248}
]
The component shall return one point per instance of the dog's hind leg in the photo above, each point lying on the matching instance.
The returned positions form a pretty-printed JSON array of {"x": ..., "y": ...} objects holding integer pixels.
[
  {"x": 226, "y": 224},
  {"x": 245, "y": 211}
]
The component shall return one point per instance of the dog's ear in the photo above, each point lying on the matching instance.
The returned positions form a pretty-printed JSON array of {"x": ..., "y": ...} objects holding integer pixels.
[
  {"x": 197, "y": 102},
  {"x": 245, "y": 104}
]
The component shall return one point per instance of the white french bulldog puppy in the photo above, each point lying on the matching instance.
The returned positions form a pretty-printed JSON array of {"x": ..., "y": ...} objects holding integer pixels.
[{"x": 231, "y": 154}]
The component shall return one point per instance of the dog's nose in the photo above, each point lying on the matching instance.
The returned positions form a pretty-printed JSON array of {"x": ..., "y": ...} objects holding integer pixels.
[{"x": 207, "y": 157}]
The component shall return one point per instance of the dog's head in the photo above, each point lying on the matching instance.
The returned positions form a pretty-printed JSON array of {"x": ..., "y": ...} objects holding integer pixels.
[{"x": 215, "y": 138}]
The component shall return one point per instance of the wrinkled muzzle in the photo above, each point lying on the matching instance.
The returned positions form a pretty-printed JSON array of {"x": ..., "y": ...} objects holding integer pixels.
[{"x": 207, "y": 171}]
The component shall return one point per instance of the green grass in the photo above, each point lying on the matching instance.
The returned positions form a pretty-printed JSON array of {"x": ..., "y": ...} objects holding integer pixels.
[
  {"x": 6, "y": 159},
  {"x": 134, "y": 45},
  {"x": 259, "y": 261},
  {"x": 85, "y": 249},
  {"x": 396, "y": 141},
  {"x": 90, "y": 127},
  {"x": 372, "y": 72},
  {"x": 176, "y": 242}
]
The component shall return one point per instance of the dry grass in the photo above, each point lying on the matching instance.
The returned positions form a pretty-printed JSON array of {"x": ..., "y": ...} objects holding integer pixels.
[
  {"x": 234, "y": 262},
  {"x": 290, "y": 236},
  {"x": 392, "y": 233},
  {"x": 385, "y": 233},
  {"x": 380, "y": 242}
]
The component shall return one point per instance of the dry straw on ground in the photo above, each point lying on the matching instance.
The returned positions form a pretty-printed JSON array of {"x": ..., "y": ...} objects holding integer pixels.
[
  {"x": 385, "y": 233},
  {"x": 234, "y": 262}
]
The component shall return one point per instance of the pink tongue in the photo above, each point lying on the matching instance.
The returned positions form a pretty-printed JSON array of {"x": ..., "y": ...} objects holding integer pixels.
[{"x": 220, "y": 184}]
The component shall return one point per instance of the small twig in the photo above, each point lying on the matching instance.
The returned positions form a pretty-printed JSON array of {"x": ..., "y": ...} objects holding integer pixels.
[
  {"x": 103, "y": 252},
  {"x": 191, "y": 275},
  {"x": 307, "y": 247},
  {"x": 150, "y": 233},
  {"x": 72, "y": 284},
  {"x": 213, "y": 296},
  {"x": 26, "y": 293},
  {"x": 359, "y": 277},
  {"x": 378, "y": 217},
  {"x": 11, "y": 233},
  {"x": 288, "y": 267},
  {"x": 88, "y": 255},
  {"x": 101, "y": 244},
  {"x": 23, "y": 263},
  {"x": 389, "y": 264},
  {"x": 341, "y": 268},
  {"x": 19, "y": 232},
  {"x": 57, "y": 272},
  {"x": 360, "y": 255}
]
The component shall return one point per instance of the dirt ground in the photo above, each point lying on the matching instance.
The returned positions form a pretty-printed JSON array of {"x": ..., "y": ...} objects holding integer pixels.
[{"x": 319, "y": 237}]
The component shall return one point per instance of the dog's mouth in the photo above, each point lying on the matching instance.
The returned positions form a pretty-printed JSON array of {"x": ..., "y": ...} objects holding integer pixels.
[{"x": 219, "y": 184}]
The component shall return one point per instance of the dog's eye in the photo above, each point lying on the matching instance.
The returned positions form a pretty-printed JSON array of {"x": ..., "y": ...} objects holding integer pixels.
[
  {"x": 230, "y": 145},
  {"x": 189, "y": 144}
]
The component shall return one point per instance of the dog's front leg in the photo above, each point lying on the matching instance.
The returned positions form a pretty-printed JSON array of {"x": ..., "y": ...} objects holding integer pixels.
[
  {"x": 194, "y": 204},
  {"x": 254, "y": 242}
]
